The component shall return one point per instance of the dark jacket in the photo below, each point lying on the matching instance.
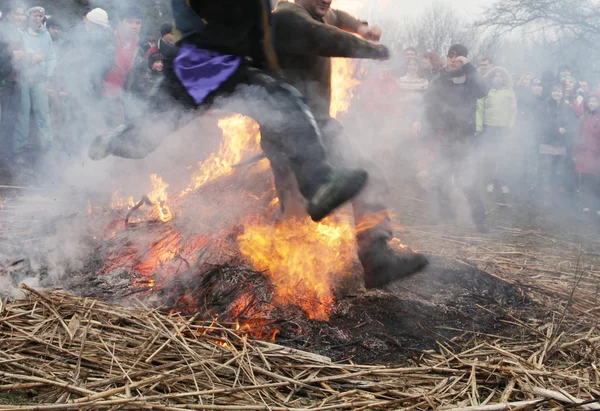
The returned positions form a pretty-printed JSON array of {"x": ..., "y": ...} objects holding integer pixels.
[
  {"x": 168, "y": 51},
  {"x": 305, "y": 45},
  {"x": 12, "y": 36},
  {"x": 6, "y": 67},
  {"x": 238, "y": 27},
  {"x": 451, "y": 101},
  {"x": 553, "y": 117},
  {"x": 145, "y": 81}
]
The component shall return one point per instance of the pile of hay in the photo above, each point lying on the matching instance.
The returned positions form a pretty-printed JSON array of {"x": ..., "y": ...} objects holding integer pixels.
[{"x": 63, "y": 352}]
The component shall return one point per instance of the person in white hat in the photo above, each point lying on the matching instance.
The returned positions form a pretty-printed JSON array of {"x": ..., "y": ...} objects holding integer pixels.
[{"x": 97, "y": 18}]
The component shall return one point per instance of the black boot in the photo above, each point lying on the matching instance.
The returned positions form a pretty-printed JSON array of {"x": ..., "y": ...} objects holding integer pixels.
[
  {"x": 342, "y": 186},
  {"x": 383, "y": 265}
]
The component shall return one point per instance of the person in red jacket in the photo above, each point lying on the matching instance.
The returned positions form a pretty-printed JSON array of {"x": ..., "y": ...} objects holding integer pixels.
[{"x": 587, "y": 155}]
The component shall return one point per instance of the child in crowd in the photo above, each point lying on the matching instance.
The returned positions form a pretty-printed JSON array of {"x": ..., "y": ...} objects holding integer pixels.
[
  {"x": 496, "y": 117},
  {"x": 587, "y": 155}
]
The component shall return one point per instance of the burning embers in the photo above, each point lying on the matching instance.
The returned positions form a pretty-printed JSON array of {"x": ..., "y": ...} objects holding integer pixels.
[{"x": 302, "y": 259}]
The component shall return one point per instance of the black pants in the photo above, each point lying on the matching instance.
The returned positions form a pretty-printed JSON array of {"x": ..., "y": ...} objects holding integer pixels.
[
  {"x": 288, "y": 129},
  {"x": 456, "y": 165},
  {"x": 10, "y": 101},
  {"x": 589, "y": 188}
]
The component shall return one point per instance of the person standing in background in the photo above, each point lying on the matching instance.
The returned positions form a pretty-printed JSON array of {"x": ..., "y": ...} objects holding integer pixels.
[
  {"x": 557, "y": 126},
  {"x": 587, "y": 156},
  {"x": 38, "y": 69},
  {"x": 485, "y": 65},
  {"x": 10, "y": 95},
  {"x": 496, "y": 118},
  {"x": 125, "y": 56},
  {"x": 450, "y": 105}
]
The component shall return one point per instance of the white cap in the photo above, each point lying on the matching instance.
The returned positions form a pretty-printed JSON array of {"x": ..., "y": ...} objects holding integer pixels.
[{"x": 98, "y": 16}]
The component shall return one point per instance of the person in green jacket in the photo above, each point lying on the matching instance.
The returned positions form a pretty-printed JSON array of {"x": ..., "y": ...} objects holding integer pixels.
[{"x": 495, "y": 120}]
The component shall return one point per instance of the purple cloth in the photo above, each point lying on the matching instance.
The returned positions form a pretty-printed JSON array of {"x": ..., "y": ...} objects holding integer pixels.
[{"x": 203, "y": 71}]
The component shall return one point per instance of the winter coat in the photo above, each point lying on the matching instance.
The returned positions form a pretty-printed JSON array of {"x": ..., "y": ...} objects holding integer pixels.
[
  {"x": 6, "y": 67},
  {"x": 587, "y": 144},
  {"x": 139, "y": 61},
  {"x": 305, "y": 44},
  {"x": 145, "y": 80},
  {"x": 238, "y": 27},
  {"x": 451, "y": 101},
  {"x": 38, "y": 43},
  {"x": 497, "y": 109},
  {"x": 168, "y": 51},
  {"x": 12, "y": 36},
  {"x": 552, "y": 117}
]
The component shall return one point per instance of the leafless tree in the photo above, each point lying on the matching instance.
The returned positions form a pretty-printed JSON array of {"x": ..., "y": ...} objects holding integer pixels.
[
  {"x": 436, "y": 29},
  {"x": 578, "y": 20}
]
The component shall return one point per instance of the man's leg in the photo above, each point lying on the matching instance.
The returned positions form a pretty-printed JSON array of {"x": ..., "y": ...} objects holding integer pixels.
[
  {"x": 467, "y": 178},
  {"x": 21, "y": 134},
  {"x": 41, "y": 111}
]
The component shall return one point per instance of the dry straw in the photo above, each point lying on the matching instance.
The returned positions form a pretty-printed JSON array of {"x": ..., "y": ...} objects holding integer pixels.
[{"x": 83, "y": 354}]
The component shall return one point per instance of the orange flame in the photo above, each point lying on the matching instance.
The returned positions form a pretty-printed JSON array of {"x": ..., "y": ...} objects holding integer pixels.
[
  {"x": 303, "y": 259},
  {"x": 158, "y": 197},
  {"x": 343, "y": 84},
  {"x": 240, "y": 135},
  {"x": 119, "y": 203}
]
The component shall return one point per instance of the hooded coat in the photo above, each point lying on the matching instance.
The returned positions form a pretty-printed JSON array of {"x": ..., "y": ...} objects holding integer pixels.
[
  {"x": 499, "y": 107},
  {"x": 587, "y": 141}
]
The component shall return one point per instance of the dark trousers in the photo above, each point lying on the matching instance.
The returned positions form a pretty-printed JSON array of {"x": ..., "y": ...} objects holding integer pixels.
[
  {"x": 589, "y": 189},
  {"x": 369, "y": 207},
  {"x": 289, "y": 132},
  {"x": 10, "y": 101},
  {"x": 456, "y": 165}
]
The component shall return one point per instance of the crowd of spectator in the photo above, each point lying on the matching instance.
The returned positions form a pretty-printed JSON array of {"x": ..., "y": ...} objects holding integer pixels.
[
  {"x": 66, "y": 83},
  {"x": 536, "y": 135}
]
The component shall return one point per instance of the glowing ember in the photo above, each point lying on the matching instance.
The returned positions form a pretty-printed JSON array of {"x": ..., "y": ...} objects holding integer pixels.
[
  {"x": 302, "y": 260},
  {"x": 158, "y": 197},
  {"x": 240, "y": 135},
  {"x": 159, "y": 252}
]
